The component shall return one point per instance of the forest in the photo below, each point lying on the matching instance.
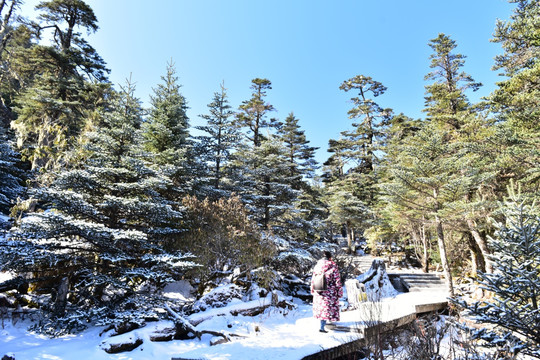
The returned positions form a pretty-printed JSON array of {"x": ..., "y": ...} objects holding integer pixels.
[{"x": 104, "y": 200}]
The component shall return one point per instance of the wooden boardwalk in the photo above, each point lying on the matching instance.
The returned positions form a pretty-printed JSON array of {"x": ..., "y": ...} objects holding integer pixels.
[
  {"x": 423, "y": 293},
  {"x": 377, "y": 318}
]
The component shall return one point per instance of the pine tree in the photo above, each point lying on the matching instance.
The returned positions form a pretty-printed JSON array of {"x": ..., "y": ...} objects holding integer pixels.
[
  {"x": 423, "y": 178},
  {"x": 166, "y": 133},
  {"x": 253, "y": 112},
  {"x": 372, "y": 119},
  {"x": 514, "y": 308},
  {"x": 350, "y": 172},
  {"x": 7, "y": 14},
  {"x": 264, "y": 182},
  {"x": 446, "y": 101},
  {"x": 260, "y": 170},
  {"x": 516, "y": 99},
  {"x": 448, "y": 106},
  {"x": 301, "y": 156},
  {"x": 100, "y": 245},
  {"x": 217, "y": 147},
  {"x": 51, "y": 112},
  {"x": 12, "y": 176},
  {"x": 15, "y": 40},
  {"x": 306, "y": 218}
]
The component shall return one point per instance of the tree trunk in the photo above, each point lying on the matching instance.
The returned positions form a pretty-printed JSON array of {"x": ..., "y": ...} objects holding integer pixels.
[
  {"x": 349, "y": 236},
  {"x": 474, "y": 261},
  {"x": 425, "y": 245},
  {"x": 477, "y": 259},
  {"x": 419, "y": 237},
  {"x": 482, "y": 245},
  {"x": 61, "y": 297},
  {"x": 444, "y": 257}
]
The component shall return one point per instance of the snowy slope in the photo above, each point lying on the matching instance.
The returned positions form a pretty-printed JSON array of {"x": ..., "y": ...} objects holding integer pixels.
[{"x": 275, "y": 334}]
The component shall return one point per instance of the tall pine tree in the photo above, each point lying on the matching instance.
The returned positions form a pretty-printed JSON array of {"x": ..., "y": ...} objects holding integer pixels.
[
  {"x": 305, "y": 219},
  {"x": 51, "y": 112},
  {"x": 260, "y": 166},
  {"x": 166, "y": 133},
  {"x": 515, "y": 101},
  {"x": 253, "y": 114},
  {"x": 350, "y": 172},
  {"x": 217, "y": 146}
]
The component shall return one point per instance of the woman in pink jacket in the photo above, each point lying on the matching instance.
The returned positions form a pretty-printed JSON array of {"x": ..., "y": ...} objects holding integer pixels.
[{"x": 326, "y": 303}]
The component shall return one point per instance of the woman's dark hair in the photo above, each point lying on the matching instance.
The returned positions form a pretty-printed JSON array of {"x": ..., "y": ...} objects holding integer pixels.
[{"x": 327, "y": 255}]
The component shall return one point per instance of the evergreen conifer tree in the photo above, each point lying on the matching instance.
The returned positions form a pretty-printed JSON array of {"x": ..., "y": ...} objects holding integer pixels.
[
  {"x": 12, "y": 176},
  {"x": 166, "y": 133},
  {"x": 307, "y": 215},
  {"x": 301, "y": 156},
  {"x": 436, "y": 171},
  {"x": 51, "y": 112},
  {"x": 261, "y": 170},
  {"x": 100, "y": 242},
  {"x": 350, "y": 172},
  {"x": 515, "y": 101},
  {"x": 265, "y": 182},
  {"x": 448, "y": 107},
  {"x": 218, "y": 145},
  {"x": 252, "y": 116},
  {"x": 372, "y": 120},
  {"x": 514, "y": 308},
  {"x": 423, "y": 178}
]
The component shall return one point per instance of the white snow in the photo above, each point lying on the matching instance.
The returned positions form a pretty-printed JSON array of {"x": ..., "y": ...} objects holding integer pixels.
[
  {"x": 275, "y": 334},
  {"x": 179, "y": 290},
  {"x": 5, "y": 276}
]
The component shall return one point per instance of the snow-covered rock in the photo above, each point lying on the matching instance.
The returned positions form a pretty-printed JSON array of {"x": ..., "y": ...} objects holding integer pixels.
[
  {"x": 121, "y": 343},
  {"x": 218, "y": 297}
]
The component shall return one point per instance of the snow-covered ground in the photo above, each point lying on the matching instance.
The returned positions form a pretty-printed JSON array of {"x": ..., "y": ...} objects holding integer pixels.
[{"x": 275, "y": 334}]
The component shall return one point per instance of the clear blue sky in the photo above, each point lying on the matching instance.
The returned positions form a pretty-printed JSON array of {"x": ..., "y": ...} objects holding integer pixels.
[{"x": 306, "y": 48}]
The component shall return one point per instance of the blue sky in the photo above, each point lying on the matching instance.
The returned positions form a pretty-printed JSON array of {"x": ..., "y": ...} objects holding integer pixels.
[{"x": 305, "y": 48}]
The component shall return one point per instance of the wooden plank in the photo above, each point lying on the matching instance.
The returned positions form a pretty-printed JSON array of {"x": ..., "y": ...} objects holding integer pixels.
[
  {"x": 372, "y": 331},
  {"x": 336, "y": 352},
  {"x": 424, "y": 308}
]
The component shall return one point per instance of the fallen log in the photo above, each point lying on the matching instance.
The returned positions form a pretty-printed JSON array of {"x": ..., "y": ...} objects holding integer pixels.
[{"x": 184, "y": 330}]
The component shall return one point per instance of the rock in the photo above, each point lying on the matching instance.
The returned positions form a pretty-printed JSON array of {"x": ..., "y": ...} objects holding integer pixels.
[
  {"x": 166, "y": 334},
  {"x": 218, "y": 297},
  {"x": 121, "y": 343},
  {"x": 6, "y": 302},
  {"x": 125, "y": 327}
]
